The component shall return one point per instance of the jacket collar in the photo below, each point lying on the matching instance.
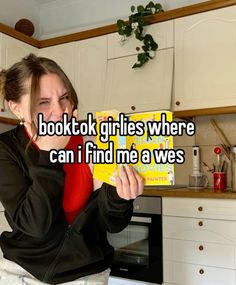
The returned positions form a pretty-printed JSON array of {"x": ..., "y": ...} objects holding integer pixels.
[{"x": 23, "y": 138}]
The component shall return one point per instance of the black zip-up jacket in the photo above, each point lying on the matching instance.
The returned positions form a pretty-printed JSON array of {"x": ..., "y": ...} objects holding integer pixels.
[{"x": 41, "y": 241}]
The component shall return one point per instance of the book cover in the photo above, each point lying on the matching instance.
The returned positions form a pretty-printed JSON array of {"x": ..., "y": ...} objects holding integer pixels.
[{"x": 153, "y": 173}]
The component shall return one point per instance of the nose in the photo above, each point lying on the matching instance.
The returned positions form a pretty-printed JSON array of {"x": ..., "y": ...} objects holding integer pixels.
[{"x": 57, "y": 112}]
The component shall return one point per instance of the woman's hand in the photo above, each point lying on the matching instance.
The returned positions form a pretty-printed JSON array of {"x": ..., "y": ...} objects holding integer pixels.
[
  {"x": 50, "y": 142},
  {"x": 129, "y": 184}
]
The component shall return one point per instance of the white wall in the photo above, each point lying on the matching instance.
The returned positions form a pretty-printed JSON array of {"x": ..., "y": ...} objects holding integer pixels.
[
  {"x": 61, "y": 17},
  {"x": 13, "y": 10}
]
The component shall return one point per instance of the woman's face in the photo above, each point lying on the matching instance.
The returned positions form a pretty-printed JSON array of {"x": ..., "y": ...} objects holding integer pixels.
[{"x": 53, "y": 99}]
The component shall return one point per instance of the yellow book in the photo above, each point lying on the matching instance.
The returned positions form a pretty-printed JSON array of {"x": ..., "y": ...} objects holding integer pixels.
[{"x": 153, "y": 173}]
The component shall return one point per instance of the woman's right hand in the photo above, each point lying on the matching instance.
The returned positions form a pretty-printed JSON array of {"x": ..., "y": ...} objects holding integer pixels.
[{"x": 49, "y": 142}]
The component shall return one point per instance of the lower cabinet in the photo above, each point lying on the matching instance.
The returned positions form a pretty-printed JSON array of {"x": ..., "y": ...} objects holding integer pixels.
[{"x": 199, "y": 245}]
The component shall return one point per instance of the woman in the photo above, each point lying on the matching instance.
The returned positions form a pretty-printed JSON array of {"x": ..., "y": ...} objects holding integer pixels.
[{"x": 58, "y": 220}]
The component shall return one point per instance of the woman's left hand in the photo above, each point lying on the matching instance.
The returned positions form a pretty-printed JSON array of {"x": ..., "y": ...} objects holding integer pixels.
[{"x": 129, "y": 184}]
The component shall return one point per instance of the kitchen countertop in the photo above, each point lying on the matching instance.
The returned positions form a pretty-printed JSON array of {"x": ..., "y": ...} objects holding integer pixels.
[{"x": 186, "y": 192}]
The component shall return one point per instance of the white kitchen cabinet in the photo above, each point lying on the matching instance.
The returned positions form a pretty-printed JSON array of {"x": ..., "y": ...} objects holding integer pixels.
[
  {"x": 192, "y": 274},
  {"x": 12, "y": 51},
  {"x": 199, "y": 241},
  {"x": 123, "y": 281},
  {"x": 161, "y": 32},
  {"x": 142, "y": 89},
  {"x": 91, "y": 67},
  {"x": 205, "y": 60},
  {"x": 4, "y": 112},
  {"x": 64, "y": 56}
]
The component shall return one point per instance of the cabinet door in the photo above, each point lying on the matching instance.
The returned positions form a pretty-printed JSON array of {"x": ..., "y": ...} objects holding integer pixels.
[
  {"x": 142, "y": 89},
  {"x": 192, "y": 274},
  {"x": 12, "y": 51},
  {"x": 161, "y": 32},
  {"x": 91, "y": 64},
  {"x": 63, "y": 55},
  {"x": 204, "y": 253},
  {"x": 205, "y": 60},
  {"x": 4, "y": 112},
  {"x": 220, "y": 209},
  {"x": 191, "y": 229}
]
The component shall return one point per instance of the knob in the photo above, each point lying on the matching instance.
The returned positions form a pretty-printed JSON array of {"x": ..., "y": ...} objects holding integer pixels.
[
  {"x": 137, "y": 48},
  {"x": 201, "y": 271},
  {"x": 200, "y": 224},
  {"x": 133, "y": 108},
  {"x": 201, "y": 247},
  {"x": 2, "y": 110},
  {"x": 200, "y": 209},
  {"x": 177, "y": 103}
]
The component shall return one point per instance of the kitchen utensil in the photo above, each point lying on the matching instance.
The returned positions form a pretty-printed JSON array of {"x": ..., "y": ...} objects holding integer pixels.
[
  {"x": 221, "y": 135},
  {"x": 219, "y": 179},
  {"x": 218, "y": 151},
  {"x": 198, "y": 181},
  {"x": 196, "y": 160},
  {"x": 233, "y": 167}
]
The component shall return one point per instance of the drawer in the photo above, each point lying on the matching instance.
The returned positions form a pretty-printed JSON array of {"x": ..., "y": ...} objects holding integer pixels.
[
  {"x": 203, "y": 253},
  {"x": 161, "y": 32},
  {"x": 222, "y": 209},
  {"x": 193, "y": 229},
  {"x": 191, "y": 274}
]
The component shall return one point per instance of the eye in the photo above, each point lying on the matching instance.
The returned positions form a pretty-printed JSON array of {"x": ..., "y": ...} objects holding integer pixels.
[
  {"x": 43, "y": 102},
  {"x": 64, "y": 97}
]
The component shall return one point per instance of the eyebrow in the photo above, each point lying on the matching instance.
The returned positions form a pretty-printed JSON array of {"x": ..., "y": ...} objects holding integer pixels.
[{"x": 48, "y": 98}]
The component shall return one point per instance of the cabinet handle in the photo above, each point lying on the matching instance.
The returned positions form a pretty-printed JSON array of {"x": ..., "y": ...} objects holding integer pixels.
[
  {"x": 2, "y": 110},
  {"x": 137, "y": 48},
  {"x": 200, "y": 224},
  {"x": 201, "y": 247},
  {"x": 201, "y": 271},
  {"x": 200, "y": 209},
  {"x": 133, "y": 108},
  {"x": 177, "y": 103}
]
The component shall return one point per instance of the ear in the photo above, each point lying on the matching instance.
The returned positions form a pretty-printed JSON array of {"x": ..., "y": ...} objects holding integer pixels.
[{"x": 15, "y": 109}]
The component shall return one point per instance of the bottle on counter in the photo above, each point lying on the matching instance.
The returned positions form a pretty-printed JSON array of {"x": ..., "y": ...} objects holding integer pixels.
[{"x": 233, "y": 167}]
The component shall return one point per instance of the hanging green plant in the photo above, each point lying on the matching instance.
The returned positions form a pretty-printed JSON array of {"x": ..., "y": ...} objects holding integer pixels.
[{"x": 137, "y": 20}]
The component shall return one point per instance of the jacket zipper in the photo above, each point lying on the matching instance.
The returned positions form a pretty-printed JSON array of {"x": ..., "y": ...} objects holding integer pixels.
[{"x": 53, "y": 264}]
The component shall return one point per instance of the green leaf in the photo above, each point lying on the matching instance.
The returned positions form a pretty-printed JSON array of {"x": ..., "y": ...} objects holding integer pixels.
[
  {"x": 159, "y": 8},
  {"x": 150, "y": 5},
  {"x": 128, "y": 30},
  {"x": 154, "y": 46},
  {"x": 140, "y": 8},
  {"x": 132, "y": 8},
  {"x": 120, "y": 26},
  {"x": 145, "y": 48}
]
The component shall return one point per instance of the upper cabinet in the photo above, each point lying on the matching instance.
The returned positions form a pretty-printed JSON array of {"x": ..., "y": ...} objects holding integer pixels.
[
  {"x": 12, "y": 51},
  {"x": 205, "y": 60},
  {"x": 91, "y": 62},
  {"x": 141, "y": 89},
  {"x": 64, "y": 56},
  {"x": 84, "y": 62},
  {"x": 161, "y": 32}
]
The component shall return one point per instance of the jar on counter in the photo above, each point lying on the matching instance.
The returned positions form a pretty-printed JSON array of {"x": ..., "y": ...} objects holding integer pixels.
[{"x": 233, "y": 167}]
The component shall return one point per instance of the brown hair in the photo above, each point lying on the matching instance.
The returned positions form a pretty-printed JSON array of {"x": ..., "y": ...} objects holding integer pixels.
[{"x": 13, "y": 81}]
